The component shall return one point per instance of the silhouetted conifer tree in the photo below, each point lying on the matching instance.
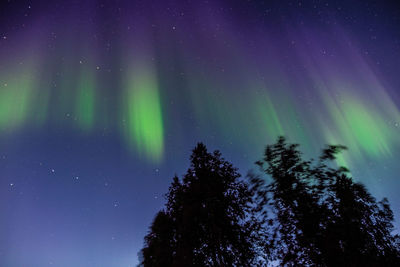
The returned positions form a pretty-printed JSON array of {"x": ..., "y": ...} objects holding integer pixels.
[
  {"x": 160, "y": 242},
  {"x": 206, "y": 220}
]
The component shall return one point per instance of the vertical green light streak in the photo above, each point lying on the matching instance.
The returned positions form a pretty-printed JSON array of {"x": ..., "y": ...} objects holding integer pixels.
[
  {"x": 368, "y": 128},
  {"x": 269, "y": 117},
  {"x": 16, "y": 92},
  {"x": 85, "y": 101},
  {"x": 144, "y": 122},
  {"x": 360, "y": 126}
]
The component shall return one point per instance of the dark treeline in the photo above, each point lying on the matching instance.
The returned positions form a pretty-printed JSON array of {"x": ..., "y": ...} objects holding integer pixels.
[{"x": 294, "y": 212}]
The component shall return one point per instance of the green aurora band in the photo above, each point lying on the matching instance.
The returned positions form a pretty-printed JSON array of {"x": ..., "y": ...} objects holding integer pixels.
[
  {"x": 143, "y": 113},
  {"x": 228, "y": 94},
  {"x": 85, "y": 101},
  {"x": 16, "y": 98}
]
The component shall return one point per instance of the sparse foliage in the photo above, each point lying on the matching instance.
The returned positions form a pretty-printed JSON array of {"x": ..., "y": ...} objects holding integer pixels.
[{"x": 322, "y": 217}]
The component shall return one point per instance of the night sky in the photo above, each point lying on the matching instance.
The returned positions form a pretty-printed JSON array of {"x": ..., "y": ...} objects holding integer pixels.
[{"x": 101, "y": 103}]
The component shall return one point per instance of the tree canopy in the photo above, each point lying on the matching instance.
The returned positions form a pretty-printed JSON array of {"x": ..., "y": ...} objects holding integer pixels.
[
  {"x": 205, "y": 222},
  {"x": 321, "y": 216},
  {"x": 295, "y": 212}
]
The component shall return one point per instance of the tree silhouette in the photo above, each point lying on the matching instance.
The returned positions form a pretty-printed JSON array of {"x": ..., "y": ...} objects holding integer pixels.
[
  {"x": 159, "y": 250},
  {"x": 207, "y": 218},
  {"x": 322, "y": 217},
  {"x": 309, "y": 213}
]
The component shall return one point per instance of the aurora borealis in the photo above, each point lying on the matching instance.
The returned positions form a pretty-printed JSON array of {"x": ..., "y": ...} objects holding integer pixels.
[{"x": 101, "y": 102}]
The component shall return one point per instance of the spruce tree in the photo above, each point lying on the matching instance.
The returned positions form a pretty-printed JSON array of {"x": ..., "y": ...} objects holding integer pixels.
[{"x": 205, "y": 222}]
